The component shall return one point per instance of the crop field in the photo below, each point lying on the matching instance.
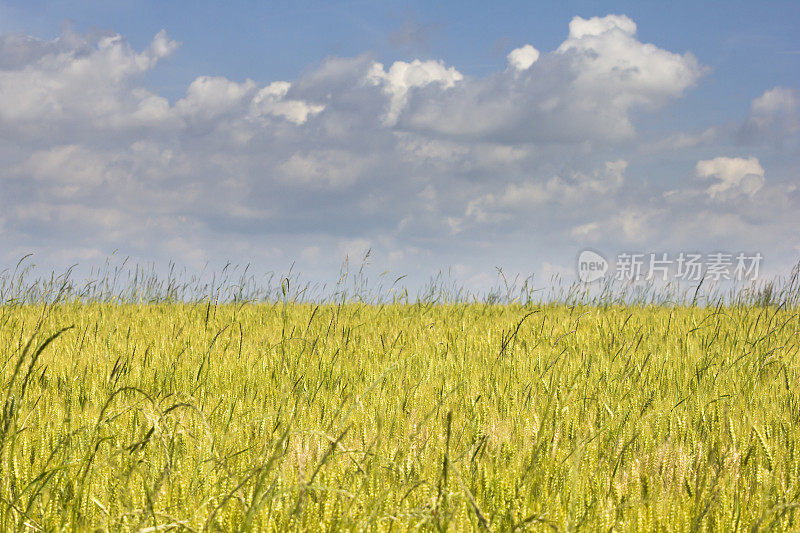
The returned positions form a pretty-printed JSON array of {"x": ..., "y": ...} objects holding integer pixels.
[{"x": 355, "y": 416}]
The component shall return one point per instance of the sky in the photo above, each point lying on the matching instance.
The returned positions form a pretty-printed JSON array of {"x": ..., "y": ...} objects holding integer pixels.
[{"x": 448, "y": 136}]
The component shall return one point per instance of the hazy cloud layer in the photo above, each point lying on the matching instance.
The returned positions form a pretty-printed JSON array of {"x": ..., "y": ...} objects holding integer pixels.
[{"x": 425, "y": 165}]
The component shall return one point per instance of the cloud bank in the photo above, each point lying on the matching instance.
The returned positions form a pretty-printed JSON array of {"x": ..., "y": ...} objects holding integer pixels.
[{"x": 424, "y": 164}]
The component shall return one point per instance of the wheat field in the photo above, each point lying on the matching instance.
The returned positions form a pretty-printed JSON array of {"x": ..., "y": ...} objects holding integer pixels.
[{"x": 390, "y": 417}]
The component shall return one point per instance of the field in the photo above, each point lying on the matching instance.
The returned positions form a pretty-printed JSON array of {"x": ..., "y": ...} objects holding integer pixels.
[{"x": 276, "y": 416}]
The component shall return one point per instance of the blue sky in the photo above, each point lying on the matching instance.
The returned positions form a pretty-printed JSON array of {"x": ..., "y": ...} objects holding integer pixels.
[{"x": 405, "y": 128}]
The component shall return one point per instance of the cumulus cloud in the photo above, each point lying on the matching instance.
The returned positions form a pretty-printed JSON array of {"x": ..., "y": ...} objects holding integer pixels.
[
  {"x": 580, "y": 27},
  {"x": 773, "y": 116},
  {"x": 208, "y": 98},
  {"x": 78, "y": 80},
  {"x": 272, "y": 100},
  {"x": 533, "y": 195},
  {"x": 523, "y": 57},
  {"x": 588, "y": 88},
  {"x": 415, "y": 159},
  {"x": 80, "y": 85},
  {"x": 334, "y": 168},
  {"x": 69, "y": 164},
  {"x": 403, "y": 77},
  {"x": 733, "y": 175},
  {"x": 605, "y": 51}
]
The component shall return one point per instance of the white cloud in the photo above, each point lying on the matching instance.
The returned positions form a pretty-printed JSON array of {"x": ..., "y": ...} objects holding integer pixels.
[
  {"x": 208, "y": 98},
  {"x": 326, "y": 168},
  {"x": 556, "y": 190},
  {"x": 681, "y": 141},
  {"x": 587, "y": 89},
  {"x": 773, "y": 115},
  {"x": 595, "y": 26},
  {"x": 402, "y": 77},
  {"x": 76, "y": 79},
  {"x": 352, "y": 155},
  {"x": 734, "y": 175},
  {"x": 636, "y": 223},
  {"x": 587, "y": 232},
  {"x": 609, "y": 58},
  {"x": 523, "y": 57},
  {"x": 67, "y": 164},
  {"x": 72, "y": 215},
  {"x": 78, "y": 85},
  {"x": 271, "y": 100},
  {"x": 775, "y": 101}
]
